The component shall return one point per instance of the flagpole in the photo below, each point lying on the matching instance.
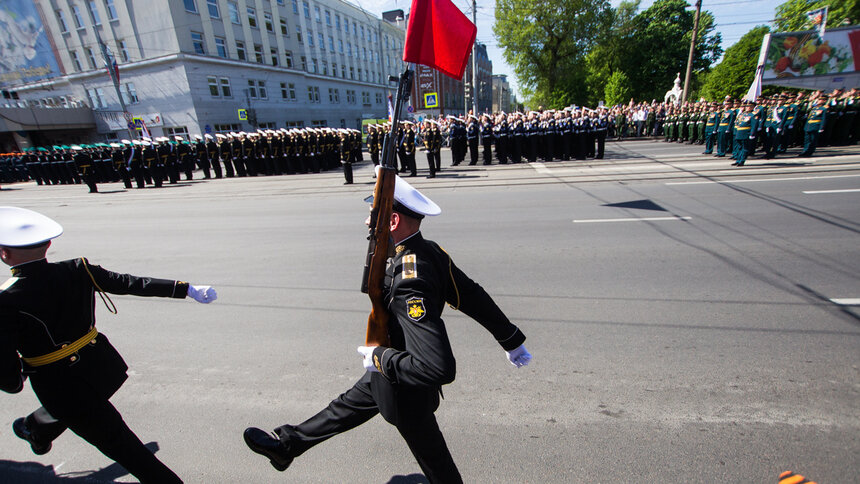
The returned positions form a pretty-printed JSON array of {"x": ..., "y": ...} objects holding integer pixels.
[
  {"x": 115, "y": 79},
  {"x": 404, "y": 88},
  {"x": 475, "y": 61}
]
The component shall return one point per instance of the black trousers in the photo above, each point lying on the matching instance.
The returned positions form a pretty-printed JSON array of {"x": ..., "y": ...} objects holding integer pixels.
[
  {"x": 101, "y": 425},
  {"x": 473, "y": 152},
  {"x": 410, "y": 410}
]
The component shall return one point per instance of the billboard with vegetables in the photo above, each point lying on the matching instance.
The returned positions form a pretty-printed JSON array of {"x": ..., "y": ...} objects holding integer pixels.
[{"x": 801, "y": 54}]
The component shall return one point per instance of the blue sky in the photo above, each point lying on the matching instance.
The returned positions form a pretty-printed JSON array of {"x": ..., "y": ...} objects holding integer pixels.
[{"x": 734, "y": 18}]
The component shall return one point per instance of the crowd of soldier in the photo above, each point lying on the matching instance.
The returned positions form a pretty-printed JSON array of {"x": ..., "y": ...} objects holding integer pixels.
[{"x": 156, "y": 161}]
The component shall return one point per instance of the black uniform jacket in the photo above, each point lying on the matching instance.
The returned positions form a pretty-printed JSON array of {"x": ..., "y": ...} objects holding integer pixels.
[
  {"x": 47, "y": 305},
  {"x": 423, "y": 278}
]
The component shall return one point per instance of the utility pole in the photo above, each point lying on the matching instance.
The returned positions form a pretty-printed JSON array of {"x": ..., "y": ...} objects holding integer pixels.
[
  {"x": 475, "y": 61},
  {"x": 114, "y": 76},
  {"x": 692, "y": 51}
]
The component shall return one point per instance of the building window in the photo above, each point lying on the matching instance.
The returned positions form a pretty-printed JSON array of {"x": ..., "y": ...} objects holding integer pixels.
[
  {"x": 319, "y": 123},
  {"x": 288, "y": 93},
  {"x": 343, "y": 71},
  {"x": 212, "y": 5},
  {"x": 284, "y": 31},
  {"x": 364, "y": 50},
  {"x": 360, "y": 75},
  {"x": 284, "y": 94},
  {"x": 365, "y": 98},
  {"x": 257, "y": 89},
  {"x": 346, "y": 25},
  {"x": 307, "y": 10},
  {"x": 288, "y": 60},
  {"x": 179, "y": 131},
  {"x": 340, "y": 45},
  {"x": 61, "y": 18},
  {"x": 299, "y": 34},
  {"x": 190, "y": 6},
  {"x": 270, "y": 25},
  {"x": 76, "y": 13},
  {"x": 317, "y": 14},
  {"x": 269, "y": 125},
  {"x": 354, "y": 28},
  {"x": 333, "y": 96},
  {"x": 324, "y": 68},
  {"x": 233, "y": 12},
  {"x": 292, "y": 89},
  {"x": 97, "y": 98},
  {"x": 123, "y": 51},
  {"x": 227, "y": 128},
  {"x": 281, "y": 2},
  {"x": 225, "y": 87},
  {"x": 304, "y": 63},
  {"x": 321, "y": 38},
  {"x": 328, "y": 18},
  {"x": 274, "y": 53},
  {"x": 352, "y": 73},
  {"x": 350, "y": 97},
  {"x": 296, "y": 7},
  {"x": 221, "y": 46},
  {"x": 331, "y": 43},
  {"x": 94, "y": 12},
  {"x": 240, "y": 50},
  {"x": 379, "y": 98},
  {"x": 252, "y": 17},
  {"x": 75, "y": 61},
  {"x": 313, "y": 66},
  {"x": 197, "y": 41},
  {"x": 294, "y": 124},
  {"x": 91, "y": 57},
  {"x": 213, "y": 86},
  {"x": 349, "y": 49},
  {"x": 310, "y": 37},
  {"x": 130, "y": 94},
  {"x": 314, "y": 94},
  {"x": 334, "y": 69},
  {"x": 258, "y": 53}
]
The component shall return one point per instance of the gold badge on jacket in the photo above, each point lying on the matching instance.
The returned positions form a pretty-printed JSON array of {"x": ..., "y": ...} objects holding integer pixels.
[
  {"x": 410, "y": 271},
  {"x": 415, "y": 308}
]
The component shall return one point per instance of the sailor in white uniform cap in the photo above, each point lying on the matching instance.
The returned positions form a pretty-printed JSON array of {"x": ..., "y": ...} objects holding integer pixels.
[
  {"x": 47, "y": 320},
  {"x": 403, "y": 381}
]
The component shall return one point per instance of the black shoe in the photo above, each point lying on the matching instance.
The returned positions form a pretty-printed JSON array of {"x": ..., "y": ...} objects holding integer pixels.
[
  {"x": 264, "y": 444},
  {"x": 19, "y": 426}
]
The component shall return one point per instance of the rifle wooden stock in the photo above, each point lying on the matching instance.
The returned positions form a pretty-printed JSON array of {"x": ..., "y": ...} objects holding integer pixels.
[
  {"x": 377, "y": 257},
  {"x": 373, "y": 282}
]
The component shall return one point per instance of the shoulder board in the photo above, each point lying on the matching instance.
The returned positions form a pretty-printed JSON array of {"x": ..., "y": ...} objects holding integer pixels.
[{"x": 9, "y": 282}]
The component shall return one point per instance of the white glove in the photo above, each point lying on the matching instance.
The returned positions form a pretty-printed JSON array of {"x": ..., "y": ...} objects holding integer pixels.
[
  {"x": 202, "y": 294},
  {"x": 519, "y": 356},
  {"x": 367, "y": 353}
]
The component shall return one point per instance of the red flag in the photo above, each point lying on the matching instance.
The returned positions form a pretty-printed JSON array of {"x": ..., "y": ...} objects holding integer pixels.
[{"x": 439, "y": 36}]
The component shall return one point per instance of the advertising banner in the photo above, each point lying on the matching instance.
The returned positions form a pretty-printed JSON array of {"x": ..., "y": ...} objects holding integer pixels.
[
  {"x": 26, "y": 54},
  {"x": 805, "y": 54}
]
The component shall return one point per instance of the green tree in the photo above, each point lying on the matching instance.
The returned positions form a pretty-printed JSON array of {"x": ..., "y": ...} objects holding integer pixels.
[
  {"x": 611, "y": 50},
  {"x": 791, "y": 15},
  {"x": 660, "y": 45},
  {"x": 546, "y": 43},
  {"x": 618, "y": 89},
  {"x": 734, "y": 74}
]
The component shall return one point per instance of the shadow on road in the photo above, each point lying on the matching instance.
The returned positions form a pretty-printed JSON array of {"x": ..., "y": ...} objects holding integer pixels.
[{"x": 36, "y": 473}]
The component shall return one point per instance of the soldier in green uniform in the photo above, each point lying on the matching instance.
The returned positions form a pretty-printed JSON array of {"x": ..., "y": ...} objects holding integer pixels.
[
  {"x": 727, "y": 117},
  {"x": 711, "y": 121},
  {"x": 814, "y": 127},
  {"x": 744, "y": 134}
]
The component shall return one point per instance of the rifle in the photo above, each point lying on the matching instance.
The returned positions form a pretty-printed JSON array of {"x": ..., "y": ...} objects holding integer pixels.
[{"x": 379, "y": 236}]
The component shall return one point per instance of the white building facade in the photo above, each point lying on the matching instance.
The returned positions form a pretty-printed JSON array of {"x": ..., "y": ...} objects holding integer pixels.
[{"x": 191, "y": 67}]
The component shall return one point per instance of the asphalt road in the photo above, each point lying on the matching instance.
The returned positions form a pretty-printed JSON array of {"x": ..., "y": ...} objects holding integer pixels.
[{"x": 690, "y": 321}]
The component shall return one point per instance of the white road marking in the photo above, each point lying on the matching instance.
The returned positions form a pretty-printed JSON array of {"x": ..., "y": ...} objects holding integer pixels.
[
  {"x": 644, "y": 219},
  {"x": 847, "y": 301},
  {"x": 723, "y": 182},
  {"x": 849, "y": 190}
]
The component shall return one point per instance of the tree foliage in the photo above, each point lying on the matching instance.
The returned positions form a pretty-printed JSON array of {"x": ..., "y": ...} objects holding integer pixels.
[
  {"x": 546, "y": 42},
  {"x": 734, "y": 74},
  {"x": 618, "y": 89},
  {"x": 566, "y": 51},
  {"x": 791, "y": 15}
]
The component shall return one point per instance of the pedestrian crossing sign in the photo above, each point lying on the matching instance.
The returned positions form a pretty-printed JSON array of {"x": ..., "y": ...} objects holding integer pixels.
[
  {"x": 431, "y": 100},
  {"x": 243, "y": 115}
]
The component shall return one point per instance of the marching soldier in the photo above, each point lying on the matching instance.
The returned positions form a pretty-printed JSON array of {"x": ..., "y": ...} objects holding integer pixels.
[
  {"x": 84, "y": 164},
  {"x": 744, "y": 134},
  {"x": 713, "y": 118},
  {"x": 120, "y": 163},
  {"x": 473, "y": 132},
  {"x": 49, "y": 335},
  {"x": 815, "y": 125},
  {"x": 373, "y": 143}
]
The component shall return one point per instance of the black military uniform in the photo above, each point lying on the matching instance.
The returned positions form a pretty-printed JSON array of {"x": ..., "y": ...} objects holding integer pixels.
[
  {"x": 86, "y": 168},
  {"x": 472, "y": 135},
  {"x": 406, "y": 388}
]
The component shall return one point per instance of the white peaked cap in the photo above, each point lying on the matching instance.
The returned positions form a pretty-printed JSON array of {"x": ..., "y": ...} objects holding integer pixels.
[
  {"x": 20, "y": 227},
  {"x": 410, "y": 198}
]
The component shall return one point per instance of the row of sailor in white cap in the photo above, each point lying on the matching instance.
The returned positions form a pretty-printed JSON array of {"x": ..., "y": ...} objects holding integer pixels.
[{"x": 49, "y": 335}]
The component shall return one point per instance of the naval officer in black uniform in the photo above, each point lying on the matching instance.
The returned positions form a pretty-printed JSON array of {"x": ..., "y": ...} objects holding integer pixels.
[
  {"x": 47, "y": 321},
  {"x": 403, "y": 382}
]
